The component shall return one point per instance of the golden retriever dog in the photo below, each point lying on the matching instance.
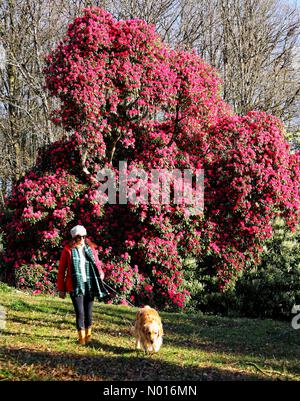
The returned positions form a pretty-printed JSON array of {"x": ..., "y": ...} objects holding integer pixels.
[{"x": 148, "y": 330}]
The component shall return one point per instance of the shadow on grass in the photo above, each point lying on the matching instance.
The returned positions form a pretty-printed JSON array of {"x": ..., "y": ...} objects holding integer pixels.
[
  {"x": 38, "y": 336},
  {"x": 271, "y": 343},
  {"x": 40, "y": 321},
  {"x": 200, "y": 330},
  {"x": 245, "y": 337},
  {"x": 115, "y": 349},
  {"x": 67, "y": 366},
  {"x": 114, "y": 315}
]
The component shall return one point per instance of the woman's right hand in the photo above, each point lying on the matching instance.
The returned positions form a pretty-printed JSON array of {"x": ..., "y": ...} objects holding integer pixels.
[{"x": 62, "y": 294}]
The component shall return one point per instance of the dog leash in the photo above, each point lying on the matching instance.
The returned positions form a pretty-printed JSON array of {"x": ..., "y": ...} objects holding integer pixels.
[{"x": 116, "y": 292}]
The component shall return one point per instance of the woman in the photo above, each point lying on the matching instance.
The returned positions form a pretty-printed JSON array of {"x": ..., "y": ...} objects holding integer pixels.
[{"x": 80, "y": 274}]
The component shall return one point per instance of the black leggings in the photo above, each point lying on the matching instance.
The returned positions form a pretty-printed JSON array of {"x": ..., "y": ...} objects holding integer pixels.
[{"x": 83, "y": 305}]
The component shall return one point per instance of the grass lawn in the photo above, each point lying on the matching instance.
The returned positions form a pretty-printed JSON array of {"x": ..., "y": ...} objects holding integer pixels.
[{"x": 39, "y": 342}]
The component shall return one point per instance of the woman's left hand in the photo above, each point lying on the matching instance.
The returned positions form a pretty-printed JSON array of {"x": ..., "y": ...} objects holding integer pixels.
[{"x": 101, "y": 275}]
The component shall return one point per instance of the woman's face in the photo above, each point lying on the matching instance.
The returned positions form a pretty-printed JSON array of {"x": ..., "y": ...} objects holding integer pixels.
[{"x": 79, "y": 240}]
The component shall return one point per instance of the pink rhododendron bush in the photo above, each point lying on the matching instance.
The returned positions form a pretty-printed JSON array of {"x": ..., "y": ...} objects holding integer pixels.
[{"x": 125, "y": 96}]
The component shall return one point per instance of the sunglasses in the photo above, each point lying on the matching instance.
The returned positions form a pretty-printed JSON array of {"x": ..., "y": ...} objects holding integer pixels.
[{"x": 79, "y": 237}]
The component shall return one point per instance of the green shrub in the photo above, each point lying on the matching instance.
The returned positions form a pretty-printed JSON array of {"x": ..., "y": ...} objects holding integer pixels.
[
  {"x": 268, "y": 290},
  {"x": 271, "y": 289}
]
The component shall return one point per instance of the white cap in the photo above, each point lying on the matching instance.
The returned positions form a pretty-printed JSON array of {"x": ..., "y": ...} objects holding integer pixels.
[{"x": 78, "y": 230}]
